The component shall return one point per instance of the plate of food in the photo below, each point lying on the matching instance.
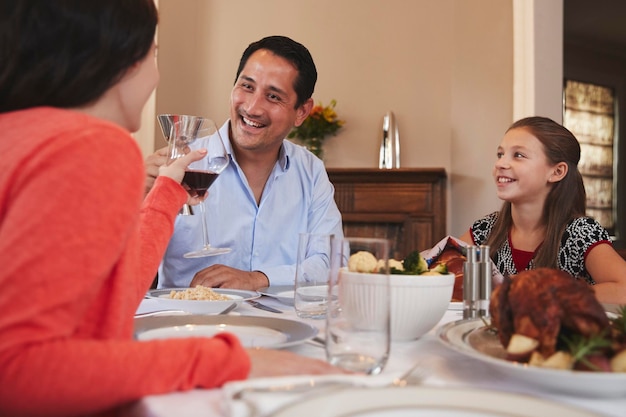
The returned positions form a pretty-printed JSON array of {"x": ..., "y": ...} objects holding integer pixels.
[
  {"x": 283, "y": 293},
  {"x": 548, "y": 330},
  {"x": 200, "y": 299},
  {"x": 252, "y": 331}
]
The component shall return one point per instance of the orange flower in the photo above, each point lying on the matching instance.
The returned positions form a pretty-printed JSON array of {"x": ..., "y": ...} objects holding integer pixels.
[
  {"x": 321, "y": 122},
  {"x": 316, "y": 111}
]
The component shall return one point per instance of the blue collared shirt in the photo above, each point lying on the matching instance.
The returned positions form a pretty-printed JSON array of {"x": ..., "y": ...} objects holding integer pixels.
[{"x": 298, "y": 197}]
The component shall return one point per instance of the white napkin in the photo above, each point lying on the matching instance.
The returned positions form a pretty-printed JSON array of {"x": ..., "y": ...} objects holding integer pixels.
[{"x": 285, "y": 390}]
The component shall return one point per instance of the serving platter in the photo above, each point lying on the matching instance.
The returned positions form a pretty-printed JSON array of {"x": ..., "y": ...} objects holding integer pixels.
[
  {"x": 425, "y": 402},
  {"x": 252, "y": 331},
  {"x": 474, "y": 340},
  {"x": 282, "y": 293}
]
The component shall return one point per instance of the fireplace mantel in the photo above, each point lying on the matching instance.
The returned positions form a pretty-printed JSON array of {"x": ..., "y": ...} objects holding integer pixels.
[{"x": 405, "y": 205}]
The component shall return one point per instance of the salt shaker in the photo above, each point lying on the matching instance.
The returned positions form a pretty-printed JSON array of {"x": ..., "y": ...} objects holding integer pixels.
[
  {"x": 471, "y": 274},
  {"x": 484, "y": 281}
]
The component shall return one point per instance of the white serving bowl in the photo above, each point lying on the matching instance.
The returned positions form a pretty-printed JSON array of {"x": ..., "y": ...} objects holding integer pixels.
[
  {"x": 362, "y": 300},
  {"x": 418, "y": 302},
  {"x": 200, "y": 306}
]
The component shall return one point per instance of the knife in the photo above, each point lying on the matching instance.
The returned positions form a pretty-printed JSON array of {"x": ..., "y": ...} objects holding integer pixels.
[{"x": 263, "y": 306}]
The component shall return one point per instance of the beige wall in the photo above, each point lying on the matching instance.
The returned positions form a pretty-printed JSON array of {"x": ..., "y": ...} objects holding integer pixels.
[{"x": 445, "y": 68}]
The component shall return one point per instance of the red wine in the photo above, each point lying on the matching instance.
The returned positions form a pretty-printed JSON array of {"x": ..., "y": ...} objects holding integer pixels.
[{"x": 197, "y": 182}]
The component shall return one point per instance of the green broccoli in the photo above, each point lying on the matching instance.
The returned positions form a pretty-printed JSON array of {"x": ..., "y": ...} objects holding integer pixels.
[
  {"x": 415, "y": 264},
  {"x": 441, "y": 268}
]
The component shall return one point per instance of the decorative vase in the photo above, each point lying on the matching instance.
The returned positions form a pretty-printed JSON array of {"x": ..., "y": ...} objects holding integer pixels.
[
  {"x": 314, "y": 145},
  {"x": 390, "y": 144}
]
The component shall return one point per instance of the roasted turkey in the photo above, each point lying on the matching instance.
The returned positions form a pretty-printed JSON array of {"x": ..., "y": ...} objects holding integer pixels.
[{"x": 543, "y": 302}]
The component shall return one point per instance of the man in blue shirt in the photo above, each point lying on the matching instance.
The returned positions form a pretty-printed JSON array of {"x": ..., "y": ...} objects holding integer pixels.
[{"x": 271, "y": 191}]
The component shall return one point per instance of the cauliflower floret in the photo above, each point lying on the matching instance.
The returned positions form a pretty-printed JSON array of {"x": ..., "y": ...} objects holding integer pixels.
[
  {"x": 362, "y": 261},
  {"x": 393, "y": 263}
]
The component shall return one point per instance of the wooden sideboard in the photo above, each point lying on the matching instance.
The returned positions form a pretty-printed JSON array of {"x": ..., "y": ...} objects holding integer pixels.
[{"x": 405, "y": 205}]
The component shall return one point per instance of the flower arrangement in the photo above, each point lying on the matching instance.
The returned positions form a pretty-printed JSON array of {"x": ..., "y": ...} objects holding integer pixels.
[{"x": 321, "y": 122}]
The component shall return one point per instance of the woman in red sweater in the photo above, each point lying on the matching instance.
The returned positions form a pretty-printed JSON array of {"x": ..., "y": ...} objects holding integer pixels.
[{"x": 79, "y": 245}]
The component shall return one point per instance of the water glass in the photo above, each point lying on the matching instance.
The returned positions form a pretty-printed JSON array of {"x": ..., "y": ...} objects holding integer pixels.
[
  {"x": 312, "y": 274},
  {"x": 358, "y": 319}
]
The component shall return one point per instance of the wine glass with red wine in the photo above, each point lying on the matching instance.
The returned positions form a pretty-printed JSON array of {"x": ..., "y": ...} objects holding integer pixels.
[{"x": 194, "y": 132}]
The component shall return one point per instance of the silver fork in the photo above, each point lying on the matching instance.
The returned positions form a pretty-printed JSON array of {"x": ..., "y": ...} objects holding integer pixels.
[
  {"x": 228, "y": 309},
  {"x": 415, "y": 375}
]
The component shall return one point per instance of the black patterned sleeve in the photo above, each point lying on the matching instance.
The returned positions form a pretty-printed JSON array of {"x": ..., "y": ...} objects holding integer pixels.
[
  {"x": 481, "y": 229},
  {"x": 580, "y": 236}
]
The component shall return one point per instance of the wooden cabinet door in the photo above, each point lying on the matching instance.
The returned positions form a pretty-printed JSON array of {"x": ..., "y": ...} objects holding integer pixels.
[{"x": 407, "y": 206}]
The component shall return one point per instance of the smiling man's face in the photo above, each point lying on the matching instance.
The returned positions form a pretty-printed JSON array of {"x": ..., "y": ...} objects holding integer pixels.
[{"x": 263, "y": 103}]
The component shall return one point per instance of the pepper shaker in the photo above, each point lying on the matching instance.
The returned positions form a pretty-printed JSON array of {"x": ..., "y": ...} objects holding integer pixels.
[
  {"x": 471, "y": 273},
  {"x": 484, "y": 281}
]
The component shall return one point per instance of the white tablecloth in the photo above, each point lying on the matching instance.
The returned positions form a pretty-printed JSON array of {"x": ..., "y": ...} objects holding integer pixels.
[{"x": 444, "y": 368}]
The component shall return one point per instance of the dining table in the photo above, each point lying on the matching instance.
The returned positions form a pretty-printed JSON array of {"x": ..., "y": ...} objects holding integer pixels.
[{"x": 440, "y": 366}]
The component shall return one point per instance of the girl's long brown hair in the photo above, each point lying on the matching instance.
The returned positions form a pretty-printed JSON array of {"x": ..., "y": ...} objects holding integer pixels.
[{"x": 566, "y": 200}]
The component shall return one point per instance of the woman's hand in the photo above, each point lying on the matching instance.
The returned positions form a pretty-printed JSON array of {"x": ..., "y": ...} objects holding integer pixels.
[
  {"x": 153, "y": 163},
  {"x": 269, "y": 362},
  {"x": 176, "y": 170}
]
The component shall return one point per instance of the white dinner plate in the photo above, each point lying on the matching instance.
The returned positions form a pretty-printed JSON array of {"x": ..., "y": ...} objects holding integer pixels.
[
  {"x": 425, "y": 402},
  {"x": 235, "y": 295},
  {"x": 455, "y": 305},
  {"x": 313, "y": 293},
  {"x": 283, "y": 293},
  {"x": 252, "y": 331},
  {"x": 163, "y": 300},
  {"x": 472, "y": 338}
]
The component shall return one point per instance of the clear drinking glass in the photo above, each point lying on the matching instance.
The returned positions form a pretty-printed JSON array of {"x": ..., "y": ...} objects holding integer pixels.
[
  {"x": 312, "y": 273},
  {"x": 358, "y": 319},
  {"x": 166, "y": 121},
  {"x": 198, "y": 133}
]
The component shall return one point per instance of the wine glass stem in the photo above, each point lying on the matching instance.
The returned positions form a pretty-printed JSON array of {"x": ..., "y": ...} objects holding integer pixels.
[
  {"x": 186, "y": 210},
  {"x": 205, "y": 227}
]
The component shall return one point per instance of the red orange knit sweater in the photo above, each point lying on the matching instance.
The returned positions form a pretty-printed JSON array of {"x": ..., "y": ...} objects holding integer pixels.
[{"x": 78, "y": 250}]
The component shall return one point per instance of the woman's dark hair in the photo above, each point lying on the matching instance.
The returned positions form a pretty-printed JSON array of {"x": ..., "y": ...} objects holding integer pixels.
[
  {"x": 565, "y": 201},
  {"x": 293, "y": 52},
  {"x": 67, "y": 53}
]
